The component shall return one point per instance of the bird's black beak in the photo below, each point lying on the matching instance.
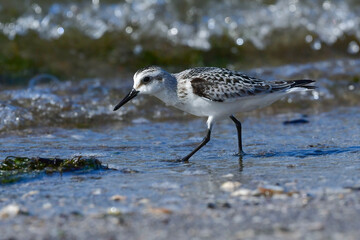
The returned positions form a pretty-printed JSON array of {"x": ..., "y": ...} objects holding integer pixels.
[{"x": 127, "y": 98}]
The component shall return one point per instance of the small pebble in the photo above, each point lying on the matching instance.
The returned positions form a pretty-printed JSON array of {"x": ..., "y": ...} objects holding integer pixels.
[
  {"x": 296, "y": 121},
  {"x": 144, "y": 201},
  {"x": 11, "y": 211},
  {"x": 118, "y": 198},
  {"x": 47, "y": 205},
  {"x": 113, "y": 211},
  {"x": 159, "y": 211},
  {"x": 353, "y": 188},
  {"x": 229, "y": 186},
  {"x": 31, "y": 193},
  {"x": 226, "y": 205},
  {"x": 269, "y": 190},
  {"x": 242, "y": 192},
  {"x": 96, "y": 191},
  {"x": 229, "y": 175},
  {"x": 211, "y": 205}
]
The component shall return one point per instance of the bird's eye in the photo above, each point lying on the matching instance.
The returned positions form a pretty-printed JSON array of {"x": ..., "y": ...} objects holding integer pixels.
[{"x": 146, "y": 79}]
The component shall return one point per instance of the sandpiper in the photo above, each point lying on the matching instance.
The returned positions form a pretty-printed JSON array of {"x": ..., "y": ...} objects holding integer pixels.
[{"x": 211, "y": 92}]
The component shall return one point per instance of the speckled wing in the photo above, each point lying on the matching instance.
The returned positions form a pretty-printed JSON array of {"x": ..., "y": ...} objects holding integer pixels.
[{"x": 223, "y": 85}]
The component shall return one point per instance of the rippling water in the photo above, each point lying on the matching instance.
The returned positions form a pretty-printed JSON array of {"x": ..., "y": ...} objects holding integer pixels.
[{"x": 88, "y": 103}]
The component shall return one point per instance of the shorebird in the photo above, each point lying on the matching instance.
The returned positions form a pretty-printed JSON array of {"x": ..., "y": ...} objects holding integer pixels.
[{"x": 211, "y": 92}]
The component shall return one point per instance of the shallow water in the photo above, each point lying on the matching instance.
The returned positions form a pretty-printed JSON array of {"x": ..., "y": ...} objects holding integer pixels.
[
  {"x": 47, "y": 102},
  {"x": 322, "y": 154}
]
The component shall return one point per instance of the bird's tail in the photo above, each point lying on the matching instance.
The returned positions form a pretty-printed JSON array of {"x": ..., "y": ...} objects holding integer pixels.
[{"x": 303, "y": 83}]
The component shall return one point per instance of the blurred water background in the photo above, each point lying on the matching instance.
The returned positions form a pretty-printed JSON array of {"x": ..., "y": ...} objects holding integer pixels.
[{"x": 77, "y": 39}]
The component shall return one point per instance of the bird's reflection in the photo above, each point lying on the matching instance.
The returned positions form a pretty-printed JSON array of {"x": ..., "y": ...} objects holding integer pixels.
[{"x": 241, "y": 164}]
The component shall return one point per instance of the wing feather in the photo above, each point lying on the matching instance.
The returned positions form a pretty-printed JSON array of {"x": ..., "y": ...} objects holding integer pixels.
[{"x": 223, "y": 85}]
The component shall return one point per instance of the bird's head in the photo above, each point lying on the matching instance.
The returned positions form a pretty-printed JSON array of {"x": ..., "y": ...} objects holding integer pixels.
[{"x": 149, "y": 80}]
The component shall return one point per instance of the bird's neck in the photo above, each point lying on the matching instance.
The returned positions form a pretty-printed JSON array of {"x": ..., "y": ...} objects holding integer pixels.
[{"x": 169, "y": 94}]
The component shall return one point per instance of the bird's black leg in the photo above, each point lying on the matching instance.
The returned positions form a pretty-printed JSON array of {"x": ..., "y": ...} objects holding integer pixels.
[
  {"x": 203, "y": 142},
  {"x": 238, "y": 128}
]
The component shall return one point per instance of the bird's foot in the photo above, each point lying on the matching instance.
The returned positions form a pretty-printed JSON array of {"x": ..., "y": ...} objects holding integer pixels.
[
  {"x": 184, "y": 160},
  {"x": 240, "y": 153}
]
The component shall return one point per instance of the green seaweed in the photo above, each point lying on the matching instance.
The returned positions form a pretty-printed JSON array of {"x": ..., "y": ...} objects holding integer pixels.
[
  {"x": 356, "y": 79},
  {"x": 14, "y": 169}
]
